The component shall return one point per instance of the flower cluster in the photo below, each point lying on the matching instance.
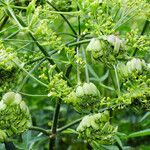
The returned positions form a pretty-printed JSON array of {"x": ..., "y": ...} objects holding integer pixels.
[
  {"x": 64, "y": 5},
  {"x": 8, "y": 69},
  {"x": 96, "y": 128},
  {"x": 107, "y": 49},
  {"x": 85, "y": 98},
  {"x": 15, "y": 116},
  {"x": 135, "y": 84},
  {"x": 6, "y": 57},
  {"x": 132, "y": 66},
  {"x": 58, "y": 87},
  {"x": 136, "y": 41}
]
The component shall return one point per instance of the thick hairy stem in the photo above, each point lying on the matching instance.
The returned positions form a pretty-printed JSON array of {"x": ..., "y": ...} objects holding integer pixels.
[{"x": 54, "y": 126}]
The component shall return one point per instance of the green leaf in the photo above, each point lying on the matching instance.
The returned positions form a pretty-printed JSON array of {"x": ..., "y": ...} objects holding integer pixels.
[
  {"x": 112, "y": 147},
  {"x": 118, "y": 141},
  {"x": 92, "y": 71},
  {"x": 139, "y": 133},
  {"x": 145, "y": 117},
  {"x": 31, "y": 7},
  {"x": 121, "y": 135}
]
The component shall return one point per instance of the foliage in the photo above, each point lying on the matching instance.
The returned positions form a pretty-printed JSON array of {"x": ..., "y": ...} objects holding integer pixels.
[{"x": 82, "y": 67}]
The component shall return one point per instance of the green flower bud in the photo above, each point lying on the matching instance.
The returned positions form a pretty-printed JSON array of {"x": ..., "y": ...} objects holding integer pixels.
[
  {"x": 94, "y": 45},
  {"x": 11, "y": 98},
  {"x": 135, "y": 65},
  {"x": 115, "y": 41},
  {"x": 2, "y": 105},
  {"x": 148, "y": 65},
  {"x": 86, "y": 96},
  {"x": 87, "y": 89},
  {"x": 3, "y": 136},
  {"x": 24, "y": 107},
  {"x": 71, "y": 98},
  {"x": 97, "y": 128},
  {"x": 123, "y": 70},
  {"x": 94, "y": 90},
  {"x": 79, "y": 91}
]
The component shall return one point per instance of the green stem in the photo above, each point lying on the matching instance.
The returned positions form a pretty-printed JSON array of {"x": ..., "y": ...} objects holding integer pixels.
[
  {"x": 78, "y": 67},
  {"x": 63, "y": 18},
  {"x": 79, "y": 42},
  {"x": 79, "y": 23},
  {"x": 18, "y": 7},
  {"x": 40, "y": 82},
  {"x": 14, "y": 17},
  {"x": 47, "y": 56},
  {"x": 38, "y": 59},
  {"x": 66, "y": 13},
  {"x": 86, "y": 67},
  {"x": 4, "y": 22},
  {"x": 117, "y": 80},
  {"x": 28, "y": 75},
  {"x": 69, "y": 125},
  {"x": 12, "y": 35},
  {"x": 31, "y": 95},
  {"x": 54, "y": 125},
  {"x": 67, "y": 34},
  {"x": 44, "y": 131}
]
